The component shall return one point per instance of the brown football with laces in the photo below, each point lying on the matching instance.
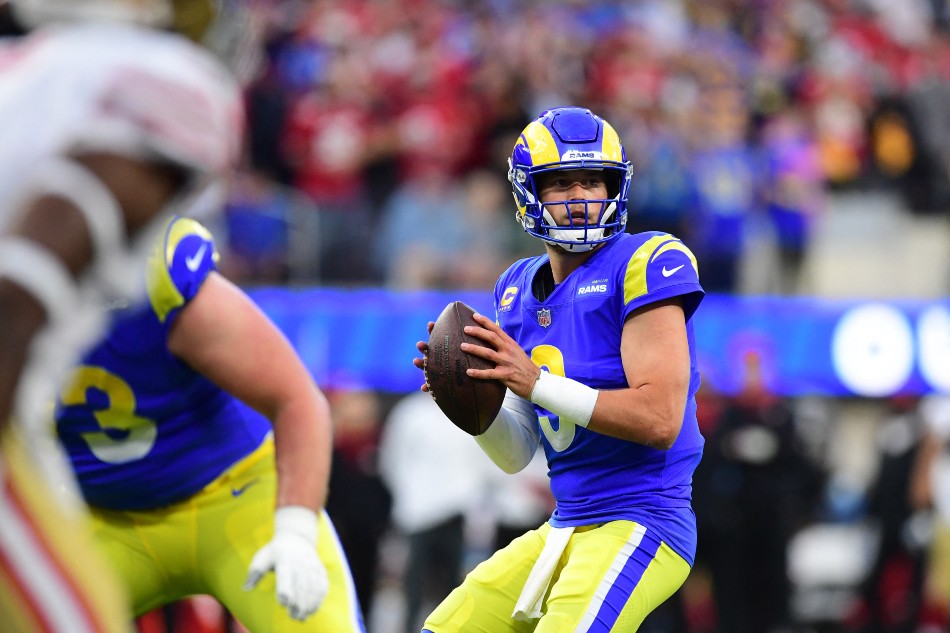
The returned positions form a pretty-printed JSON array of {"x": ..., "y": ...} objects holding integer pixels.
[{"x": 470, "y": 403}]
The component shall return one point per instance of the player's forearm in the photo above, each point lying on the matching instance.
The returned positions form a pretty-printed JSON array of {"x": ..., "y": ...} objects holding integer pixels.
[
  {"x": 303, "y": 441},
  {"x": 21, "y": 317},
  {"x": 647, "y": 415},
  {"x": 41, "y": 255}
]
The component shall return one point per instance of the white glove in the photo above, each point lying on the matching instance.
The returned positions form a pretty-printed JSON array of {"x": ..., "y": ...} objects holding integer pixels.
[{"x": 302, "y": 581}]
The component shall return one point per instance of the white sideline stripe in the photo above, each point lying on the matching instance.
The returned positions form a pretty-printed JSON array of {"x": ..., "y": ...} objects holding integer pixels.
[
  {"x": 600, "y": 594},
  {"x": 43, "y": 584}
]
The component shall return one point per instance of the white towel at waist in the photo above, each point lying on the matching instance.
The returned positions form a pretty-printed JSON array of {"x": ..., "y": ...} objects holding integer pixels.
[{"x": 528, "y": 606}]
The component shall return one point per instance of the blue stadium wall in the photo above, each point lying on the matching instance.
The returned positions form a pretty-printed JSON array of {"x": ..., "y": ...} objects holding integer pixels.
[{"x": 366, "y": 338}]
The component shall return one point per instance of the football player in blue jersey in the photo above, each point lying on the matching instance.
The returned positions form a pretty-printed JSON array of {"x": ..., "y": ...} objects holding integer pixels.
[
  {"x": 202, "y": 446},
  {"x": 594, "y": 341}
]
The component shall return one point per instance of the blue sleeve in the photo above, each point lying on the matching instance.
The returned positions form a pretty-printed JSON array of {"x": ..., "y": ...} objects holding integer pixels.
[
  {"x": 180, "y": 263},
  {"x": 661, "y": 267}
]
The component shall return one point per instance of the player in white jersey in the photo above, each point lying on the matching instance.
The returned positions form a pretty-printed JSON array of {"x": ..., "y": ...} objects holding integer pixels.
[
  {"x": 594, "y": 340},
  {"x": 110, "y": 125}
]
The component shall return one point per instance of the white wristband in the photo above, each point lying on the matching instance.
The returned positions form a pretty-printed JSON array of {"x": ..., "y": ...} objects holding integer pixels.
[
  {"x": 569, "y": 399},
  {"x": 300, "y": 520}
]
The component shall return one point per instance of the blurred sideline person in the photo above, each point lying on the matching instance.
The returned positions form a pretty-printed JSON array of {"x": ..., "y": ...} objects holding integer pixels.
[
  {"x": 930, "y": 490},
  {"x": 168, "y": 424},
  {"x": 109, "y": 126},
  {"x": 755, "y": 488},
  {"x": 520, "y": 501},
  {"x": 594, "y": 341},
  {"x": 437, "y": 477},
  {"x": 358, "y": 501}
]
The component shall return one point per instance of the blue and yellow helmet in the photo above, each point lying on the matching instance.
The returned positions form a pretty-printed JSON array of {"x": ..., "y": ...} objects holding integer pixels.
[{"x": 563, "y": 139}]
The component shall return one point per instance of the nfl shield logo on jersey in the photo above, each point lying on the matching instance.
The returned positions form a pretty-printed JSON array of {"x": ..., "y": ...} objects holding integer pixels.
[{"x": 544, "y": 317}]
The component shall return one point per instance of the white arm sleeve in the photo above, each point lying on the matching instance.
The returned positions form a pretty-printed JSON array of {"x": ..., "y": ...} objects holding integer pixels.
[{"x": 513, "y": 437}]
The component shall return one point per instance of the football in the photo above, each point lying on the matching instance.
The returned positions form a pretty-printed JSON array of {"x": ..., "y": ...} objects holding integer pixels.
[{"x": 470, "y": 403}]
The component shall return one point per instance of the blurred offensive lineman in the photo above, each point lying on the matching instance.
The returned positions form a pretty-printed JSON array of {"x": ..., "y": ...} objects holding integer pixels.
[
  {"x": 594, "y": 341},
  {"x": 167, "y": 422},
  {"x": 110, "y": 124}
]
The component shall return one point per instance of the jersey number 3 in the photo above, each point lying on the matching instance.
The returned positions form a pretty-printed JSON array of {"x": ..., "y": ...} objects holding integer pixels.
[{"x": 132, "y": 436}]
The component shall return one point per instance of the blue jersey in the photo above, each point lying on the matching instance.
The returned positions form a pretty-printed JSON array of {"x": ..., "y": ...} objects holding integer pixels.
[
  {"x": 141, "y": 428},
  {"x": 575, "y": 332}
]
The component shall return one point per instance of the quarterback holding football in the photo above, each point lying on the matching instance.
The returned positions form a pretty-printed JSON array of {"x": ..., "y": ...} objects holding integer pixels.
[{"x": 594, "y": 342}]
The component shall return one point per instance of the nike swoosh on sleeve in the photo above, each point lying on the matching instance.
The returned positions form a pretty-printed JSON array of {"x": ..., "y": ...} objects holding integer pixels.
[
  {"x": 667, "y": 273},
  {"x": 195, "y": 260}
]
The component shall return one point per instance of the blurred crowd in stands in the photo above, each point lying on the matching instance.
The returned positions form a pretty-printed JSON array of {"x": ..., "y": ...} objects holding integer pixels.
[{"x": 394, "y": 119}]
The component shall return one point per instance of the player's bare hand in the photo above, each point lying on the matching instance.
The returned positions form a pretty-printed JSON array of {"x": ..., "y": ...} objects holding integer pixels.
[
  {"x": 512, "y": 365},
  {"x": 423, "y": 348}
]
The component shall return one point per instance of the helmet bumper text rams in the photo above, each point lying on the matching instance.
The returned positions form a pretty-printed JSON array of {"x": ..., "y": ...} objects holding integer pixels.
[{"x": 565, "y": 139}]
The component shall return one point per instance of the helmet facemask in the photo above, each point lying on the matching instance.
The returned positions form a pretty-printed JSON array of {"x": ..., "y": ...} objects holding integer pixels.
[{"x": 581, "y": 235}]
